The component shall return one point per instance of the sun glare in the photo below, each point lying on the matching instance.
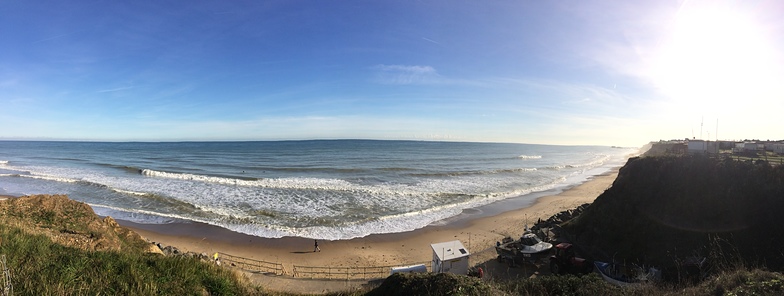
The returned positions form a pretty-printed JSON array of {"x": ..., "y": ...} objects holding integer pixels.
[{"x": 714, "y": 56}]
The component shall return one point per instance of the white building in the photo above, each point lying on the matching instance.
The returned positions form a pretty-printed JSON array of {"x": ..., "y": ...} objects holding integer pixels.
[
  {"x": 702, "y": 146},
  {"x": 450, "y": 257},
  {"x": 748, "y": 147},
  {"x": 751, "y": 146},
  {"x": 777, "y": 148}
]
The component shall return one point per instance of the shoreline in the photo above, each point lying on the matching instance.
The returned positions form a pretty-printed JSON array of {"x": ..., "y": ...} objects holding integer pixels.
[{"x": 478, "y": 230}]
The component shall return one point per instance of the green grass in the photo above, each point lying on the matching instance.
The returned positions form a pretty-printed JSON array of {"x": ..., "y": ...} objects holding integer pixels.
[
  {"x": 40, "y": 267},
  {"x": 770, "y": 157}
]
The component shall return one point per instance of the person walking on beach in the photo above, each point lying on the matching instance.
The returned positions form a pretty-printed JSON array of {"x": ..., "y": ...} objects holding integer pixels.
[{"x": 316, "y": 249}]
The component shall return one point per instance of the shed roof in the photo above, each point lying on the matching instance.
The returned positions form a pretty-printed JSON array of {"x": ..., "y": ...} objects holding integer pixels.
[{"x": 449, "y": 250}]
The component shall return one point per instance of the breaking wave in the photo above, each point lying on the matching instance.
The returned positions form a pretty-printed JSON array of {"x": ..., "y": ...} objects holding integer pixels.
[
  {"x": 280, "y": 183},
  {"x": 530, "y": 156}
]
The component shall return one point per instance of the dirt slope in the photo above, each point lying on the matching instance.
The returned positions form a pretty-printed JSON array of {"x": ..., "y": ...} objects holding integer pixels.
[{"x": 70, "y": 223}]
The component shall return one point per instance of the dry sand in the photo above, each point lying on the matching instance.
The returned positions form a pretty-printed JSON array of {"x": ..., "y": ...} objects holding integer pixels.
[{"x": 477, "y": 232}]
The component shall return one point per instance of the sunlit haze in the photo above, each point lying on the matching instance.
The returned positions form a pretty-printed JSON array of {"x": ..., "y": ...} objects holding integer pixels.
[{"x": 580, "y": 72}]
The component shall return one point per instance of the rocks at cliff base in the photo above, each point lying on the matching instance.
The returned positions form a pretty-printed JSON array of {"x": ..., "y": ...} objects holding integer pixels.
[
  {"x": 175, "y": 252},
  {"x": 550, "y": 230}
]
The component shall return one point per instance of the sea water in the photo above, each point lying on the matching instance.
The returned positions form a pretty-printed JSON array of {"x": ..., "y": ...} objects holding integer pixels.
[{"x": 332, "y": 189}]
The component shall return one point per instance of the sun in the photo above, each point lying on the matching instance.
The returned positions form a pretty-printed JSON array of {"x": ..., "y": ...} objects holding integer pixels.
[{"x": 714, "y": 56}]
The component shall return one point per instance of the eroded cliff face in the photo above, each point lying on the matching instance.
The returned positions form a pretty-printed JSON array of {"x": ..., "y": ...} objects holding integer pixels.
[
  {"x": 660, "y": 209},
  {"x": 69, "y": 223}
]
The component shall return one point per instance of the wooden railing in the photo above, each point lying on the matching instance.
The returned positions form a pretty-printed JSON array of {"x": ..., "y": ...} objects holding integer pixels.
[
  {"x": 252, "y": 264},
  {"x": 348, "y": 272}
]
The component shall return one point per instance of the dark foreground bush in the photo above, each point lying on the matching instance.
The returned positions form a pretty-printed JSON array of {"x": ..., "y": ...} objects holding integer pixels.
[
  {"x": 433, "y": 284},
  {"x": 587, "y": 285},
  {"x": 744, "y": 282}
]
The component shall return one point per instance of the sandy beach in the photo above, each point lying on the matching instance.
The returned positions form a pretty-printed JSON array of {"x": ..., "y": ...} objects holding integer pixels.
[{"x": 478, "y": 232}]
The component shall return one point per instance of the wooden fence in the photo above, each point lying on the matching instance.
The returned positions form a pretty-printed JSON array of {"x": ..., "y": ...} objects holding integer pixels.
[
  {"x": 313, "y": 272},
  {"x": 252, "y": 265},
  {"x": 347, "y": 273},
  {"x": 6, "y": 288}
]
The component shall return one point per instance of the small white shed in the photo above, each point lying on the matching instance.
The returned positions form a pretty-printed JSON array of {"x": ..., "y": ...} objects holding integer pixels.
[{"x": 450, "y": 257}]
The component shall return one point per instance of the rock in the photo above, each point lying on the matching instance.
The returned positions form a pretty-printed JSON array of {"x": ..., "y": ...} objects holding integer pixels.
[{"x": 153, "y": 249}]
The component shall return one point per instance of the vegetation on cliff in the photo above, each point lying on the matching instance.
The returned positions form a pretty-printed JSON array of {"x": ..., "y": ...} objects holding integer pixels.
[{"x": 56, "y": 246}]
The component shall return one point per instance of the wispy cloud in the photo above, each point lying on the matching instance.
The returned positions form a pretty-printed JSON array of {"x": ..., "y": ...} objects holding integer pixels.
[
  {"x": 115, "y": 89},
  {"x": 430, "y": 40},
  {"x": 407, "y": 74}
]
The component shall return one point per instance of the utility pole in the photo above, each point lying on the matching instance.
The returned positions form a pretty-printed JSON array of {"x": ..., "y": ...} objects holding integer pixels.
[{"x": 702, "y": 120}]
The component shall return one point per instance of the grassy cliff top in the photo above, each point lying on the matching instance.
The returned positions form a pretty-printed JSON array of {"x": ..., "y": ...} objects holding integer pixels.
[
  {"x": 69, "y": 223},
  {"x": 57, "y": 246}
]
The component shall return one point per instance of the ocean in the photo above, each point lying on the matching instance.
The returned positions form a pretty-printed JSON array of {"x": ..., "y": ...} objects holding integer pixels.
[{"x": 322, "y": 189}]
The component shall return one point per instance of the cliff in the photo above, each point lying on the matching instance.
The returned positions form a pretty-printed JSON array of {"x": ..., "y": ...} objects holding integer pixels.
[{"x": 663, "y": 209}]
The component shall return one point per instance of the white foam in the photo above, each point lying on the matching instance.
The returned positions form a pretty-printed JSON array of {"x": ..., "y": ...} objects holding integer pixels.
[
  {"x": 50, "y": 178},
  {"x": 303, "y": 206},
  {"x": 143, "y": 212},
  {"x": 530, "y": 156},
  {"x": 402, "y": 222},
  {"x": 598, "y": 160},
  {"x": 282, "y": 183},
  {"x": 131, "y": 192}
]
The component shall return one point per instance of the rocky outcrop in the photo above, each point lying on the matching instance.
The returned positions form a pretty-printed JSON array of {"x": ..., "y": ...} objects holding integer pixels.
[
  {"x": 550, "y": 230},
  {"x": 174, "y": 251}
]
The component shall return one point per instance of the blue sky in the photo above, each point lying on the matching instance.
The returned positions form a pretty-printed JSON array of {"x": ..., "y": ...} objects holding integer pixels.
[{"x": 555, "y": 72}]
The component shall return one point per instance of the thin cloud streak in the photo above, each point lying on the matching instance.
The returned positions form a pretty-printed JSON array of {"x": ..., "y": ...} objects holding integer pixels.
[
  {"x": 407, "y": 74},
  {"x": 115, "y": 89},
  {"x": 431, "y": 40}
]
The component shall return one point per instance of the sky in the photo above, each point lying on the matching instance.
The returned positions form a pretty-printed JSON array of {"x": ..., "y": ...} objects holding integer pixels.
[{"x": 552, "y": 72}]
